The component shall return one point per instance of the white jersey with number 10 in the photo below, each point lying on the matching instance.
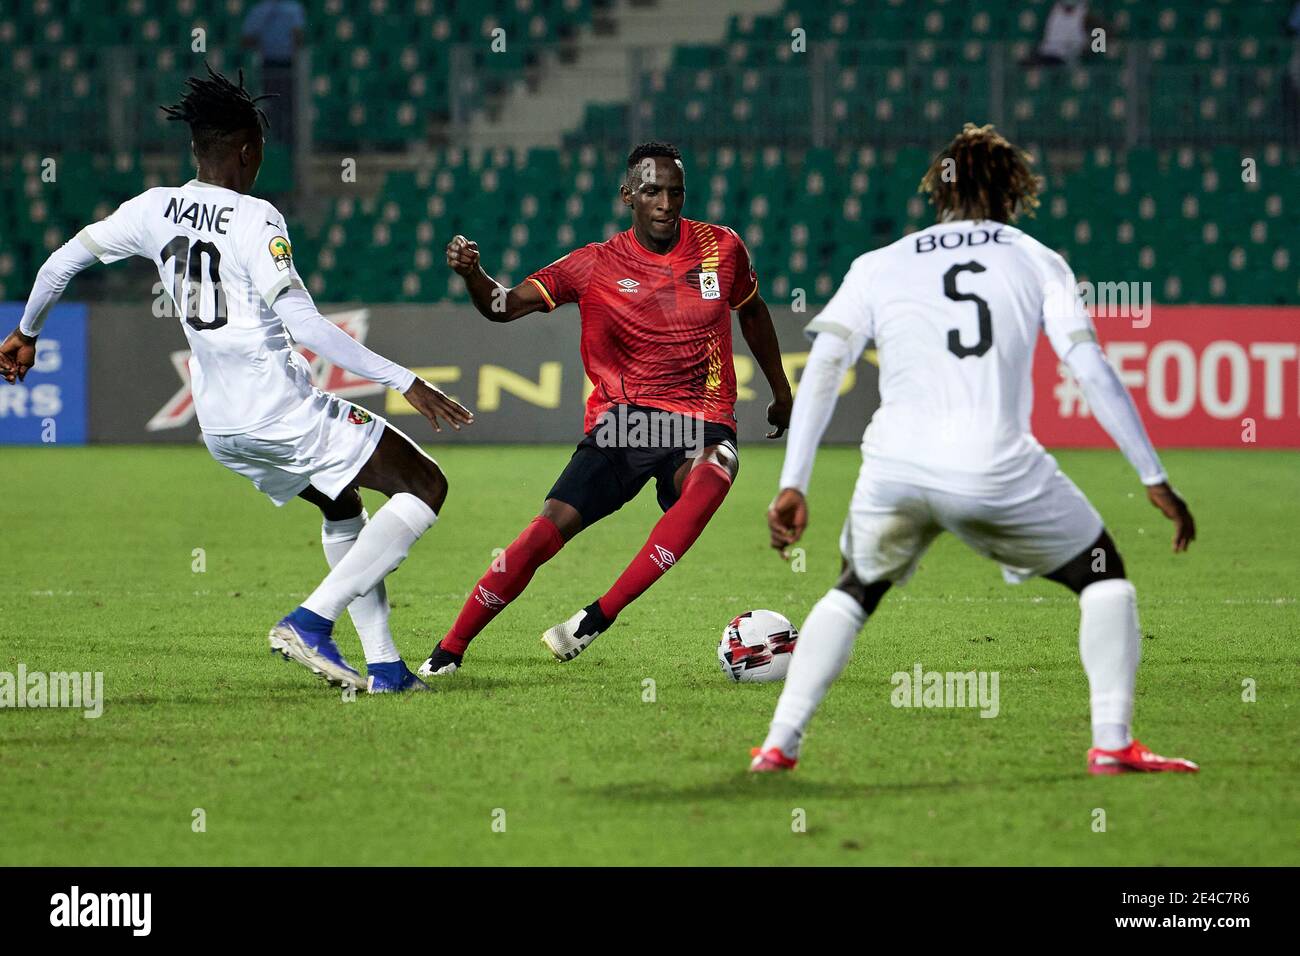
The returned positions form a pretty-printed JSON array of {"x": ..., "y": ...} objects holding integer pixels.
[{"x": 223, "y": 257}]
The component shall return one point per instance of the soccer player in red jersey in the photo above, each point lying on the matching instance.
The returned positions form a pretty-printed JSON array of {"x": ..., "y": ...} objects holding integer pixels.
[{"x": 656, "y": 305}]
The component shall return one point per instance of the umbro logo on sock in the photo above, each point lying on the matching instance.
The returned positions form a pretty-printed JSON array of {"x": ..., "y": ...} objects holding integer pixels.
[
  {"x": 664, "y": 558},
  {"x": 487, "y": 598}
]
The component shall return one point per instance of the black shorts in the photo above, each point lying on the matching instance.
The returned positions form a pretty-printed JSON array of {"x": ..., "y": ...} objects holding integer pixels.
[{"x": 628, "y": 446}]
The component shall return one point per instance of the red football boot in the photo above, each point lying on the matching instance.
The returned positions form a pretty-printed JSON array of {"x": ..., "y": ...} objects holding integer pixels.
[
  {"x": 1135, "y": 758},
  {"x": 771, "y": 760}
]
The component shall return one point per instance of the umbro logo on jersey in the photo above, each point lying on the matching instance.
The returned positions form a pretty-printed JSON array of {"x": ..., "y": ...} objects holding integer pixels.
[
  {"x": 487, "y": 598},
  {"x": 664, "y": 558},
  {"x": 628, "y": 285}
]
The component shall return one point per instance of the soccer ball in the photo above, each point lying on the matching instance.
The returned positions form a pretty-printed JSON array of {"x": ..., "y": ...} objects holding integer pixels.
[{"x": 756, "y": 646}]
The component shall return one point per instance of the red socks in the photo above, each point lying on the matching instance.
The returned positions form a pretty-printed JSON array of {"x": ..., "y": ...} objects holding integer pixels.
[
  {"x": 702, "y": 492},
  {"x": 504, "y": 581}
]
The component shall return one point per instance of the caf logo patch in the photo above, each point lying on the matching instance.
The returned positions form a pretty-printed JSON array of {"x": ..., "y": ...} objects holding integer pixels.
[
  {"x": 358, "y": 416},
  {"x": 280, "y": 252},
  {"x": 709, "y": 286}
]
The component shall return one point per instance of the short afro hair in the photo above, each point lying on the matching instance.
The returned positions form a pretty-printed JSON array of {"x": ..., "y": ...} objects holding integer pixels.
[{"x": 652, "y": 150}]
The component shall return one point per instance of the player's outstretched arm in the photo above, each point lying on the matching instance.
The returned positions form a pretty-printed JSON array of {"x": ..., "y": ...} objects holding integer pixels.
[
  {"x": 494, "y": 301},
  {"x": 18, "y": 351},
  {"x": 760, "y": 336},
  {"x": 1114, "y": 410},
  {"x": 819, "y": 388},
  {"x": 298, "y": 312}
]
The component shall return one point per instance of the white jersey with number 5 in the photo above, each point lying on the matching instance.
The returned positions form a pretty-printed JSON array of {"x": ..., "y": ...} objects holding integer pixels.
[
  {"x": 223, "y": 257},
  {"x": 954, "y": 311}
]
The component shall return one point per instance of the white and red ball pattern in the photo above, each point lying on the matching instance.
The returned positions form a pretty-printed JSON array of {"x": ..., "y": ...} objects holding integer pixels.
[{"x": 756, "y": 646}]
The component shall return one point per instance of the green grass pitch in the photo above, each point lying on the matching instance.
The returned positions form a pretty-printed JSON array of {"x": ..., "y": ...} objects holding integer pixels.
[{"x": 98, "y": 554}]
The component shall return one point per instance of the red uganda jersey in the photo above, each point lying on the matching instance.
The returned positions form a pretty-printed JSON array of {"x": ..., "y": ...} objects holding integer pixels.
[{"x": 656, "y": 329}]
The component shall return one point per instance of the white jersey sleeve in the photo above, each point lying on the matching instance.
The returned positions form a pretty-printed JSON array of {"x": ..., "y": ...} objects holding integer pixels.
[
  {"x": 847, "y": 323},
  {"x": 1068, "y": 325},
  {"x": 814, "y": 404},
  {"x": 1065, "y": 320},
  {"x": 848, "y": 314},
  {"x": 1114, "y": 410},
  {"x": 269, "y": 255},
  {"x": 63, "y": 264},
  {"x": 308, "y": 327},
  {"x": 120, "y": 235}
]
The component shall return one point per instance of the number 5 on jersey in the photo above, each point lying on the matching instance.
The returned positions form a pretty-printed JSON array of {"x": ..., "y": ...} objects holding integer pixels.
[{"x": 982, "y": 309}]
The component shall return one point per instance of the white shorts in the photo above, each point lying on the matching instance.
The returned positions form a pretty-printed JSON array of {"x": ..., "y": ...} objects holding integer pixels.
[
  {"x": 323, "y": 443},
  {"x": 890, "y": 524}
]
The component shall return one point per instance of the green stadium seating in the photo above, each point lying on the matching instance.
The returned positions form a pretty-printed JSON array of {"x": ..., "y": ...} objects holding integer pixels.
[{"x": 810, "y": 193}]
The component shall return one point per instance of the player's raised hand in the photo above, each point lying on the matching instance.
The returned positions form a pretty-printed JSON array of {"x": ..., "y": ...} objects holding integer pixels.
[
  {"x": 1175, "y": 509},
  {"x": 433, "y": 404},
  {"x": 17, "y": 356},
  {"x": 462, "y": 255},
  {"x": 778, "y": 415},
  {"x": 787, "y": 517}
]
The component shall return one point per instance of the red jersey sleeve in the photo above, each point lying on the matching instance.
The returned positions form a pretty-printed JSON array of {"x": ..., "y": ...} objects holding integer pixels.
[
  {"x": 745, "y": 284},
  {"x": 565, "y": 279}
]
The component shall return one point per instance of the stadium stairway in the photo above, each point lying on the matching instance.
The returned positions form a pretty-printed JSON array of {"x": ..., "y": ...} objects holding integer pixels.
[{"x": 595, "y": 71}]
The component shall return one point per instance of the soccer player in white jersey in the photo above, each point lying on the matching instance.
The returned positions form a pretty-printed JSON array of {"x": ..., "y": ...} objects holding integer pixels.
[
  {"x": 226, "y": 261},
  {"x": 954, "y": 311}
]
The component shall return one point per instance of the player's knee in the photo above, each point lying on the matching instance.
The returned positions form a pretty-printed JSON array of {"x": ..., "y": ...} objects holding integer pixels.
[
  {"x": 430, "y": 486},
  {"x": 563, "y": 515},
  {"x": 868, "y": 596},
  {"x": 346, "y": 505},
  {"x": 723, "y": 455},
  {"x": 1099, "y": 562}
]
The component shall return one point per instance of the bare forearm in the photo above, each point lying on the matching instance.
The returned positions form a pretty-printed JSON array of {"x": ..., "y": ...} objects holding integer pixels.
[
  {"x": 488, "y": 295},
  {"x": 760, "y": 335},
  {"x": 496, "y": 303}
]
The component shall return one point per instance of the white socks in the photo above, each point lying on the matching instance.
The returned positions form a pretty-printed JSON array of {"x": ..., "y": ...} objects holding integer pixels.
[
  {"x": 380, "y": 546},
  {"x": 825, "y": 644},
  {"x": 1109, "y": 645},
  {"x": 370, "y": 611}
]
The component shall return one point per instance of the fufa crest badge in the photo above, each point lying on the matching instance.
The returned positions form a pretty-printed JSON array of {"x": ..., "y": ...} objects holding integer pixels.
[
  {"x": 280, "y": 252},
  {"x": 709, "y": 286}
]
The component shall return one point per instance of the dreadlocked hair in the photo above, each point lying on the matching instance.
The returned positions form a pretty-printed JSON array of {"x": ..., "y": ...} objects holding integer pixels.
[
  {"x": 979, "y": 175},
  {"x": 216, "y": 109}
]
